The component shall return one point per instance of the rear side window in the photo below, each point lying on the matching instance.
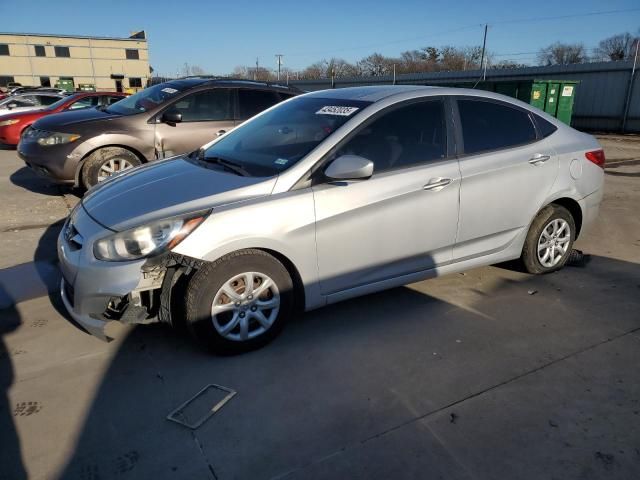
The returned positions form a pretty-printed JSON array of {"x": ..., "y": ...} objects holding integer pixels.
[
  {"x": 253, "y": 102},
  {"x": 546, "y": 128},
  {"x": 492, "y": 126},
  {"x": 47, "y": 100}
]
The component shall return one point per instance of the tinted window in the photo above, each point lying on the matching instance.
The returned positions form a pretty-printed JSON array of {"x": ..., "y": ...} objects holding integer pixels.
[
  {"x": 546, "y": 128},
  {"x": 4, "y": 49},
  {"x": 490, "y": 126},
  {"x": 61, "y": 51},
  {"x": 253, "y": 102},
  {"x": 406, "y": 136},
  {"x": 209, "y": 105},
  {"x": 40, "y": 51},
  {"x": 277, "y": 140},
  {"x": 109, "y": 100},
  {"x": 132, "y": 54},
  {"x": 47, "y": 100},
  {"x": 86, "y": 102}
]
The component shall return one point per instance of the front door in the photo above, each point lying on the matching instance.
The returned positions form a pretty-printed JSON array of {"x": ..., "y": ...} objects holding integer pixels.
[
  {"x": 205, "y": 115},
  {"x": 507, "y": 172},
  {"x": 404, "y": 218}
]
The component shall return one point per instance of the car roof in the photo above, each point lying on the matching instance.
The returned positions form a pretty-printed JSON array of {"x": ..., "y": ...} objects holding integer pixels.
[
  {"x": 187, "y": 83},
  {"x": 376, "y": 93}
]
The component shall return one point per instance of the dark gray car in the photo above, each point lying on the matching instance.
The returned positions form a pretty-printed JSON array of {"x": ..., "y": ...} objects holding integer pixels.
[{"x": 85, "y": 147}]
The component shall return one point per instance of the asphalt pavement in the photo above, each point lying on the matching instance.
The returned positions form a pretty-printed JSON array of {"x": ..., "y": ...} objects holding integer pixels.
[{"x": 490, "y": 374}]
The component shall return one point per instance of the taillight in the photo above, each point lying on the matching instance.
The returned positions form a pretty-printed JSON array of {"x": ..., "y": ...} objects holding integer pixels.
[{"x": 596, "y": 156}]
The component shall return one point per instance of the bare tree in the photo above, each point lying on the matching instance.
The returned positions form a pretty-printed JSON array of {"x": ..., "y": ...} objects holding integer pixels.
[
  {"x": 616, "y": 47},
  {"x": 188, "y": 70},
  {"x": 562, "y": 54},
  {"x": 376, "y": 65}
]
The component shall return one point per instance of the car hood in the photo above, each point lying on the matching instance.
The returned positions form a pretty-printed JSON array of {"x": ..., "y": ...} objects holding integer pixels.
[
  {"x": 167, "y": 188},
  {"x": 66, "y": 121}
]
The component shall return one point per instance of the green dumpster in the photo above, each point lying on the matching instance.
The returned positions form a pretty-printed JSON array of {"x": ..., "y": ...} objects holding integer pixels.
[
  {"x": 65, "y": 84},
  {"x": 87, "y": 87}
]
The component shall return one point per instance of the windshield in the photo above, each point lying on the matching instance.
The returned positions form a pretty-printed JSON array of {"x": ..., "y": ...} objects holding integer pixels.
[
  {"x": 145, "y": 99},
  {"x": 278, "y": 139}
]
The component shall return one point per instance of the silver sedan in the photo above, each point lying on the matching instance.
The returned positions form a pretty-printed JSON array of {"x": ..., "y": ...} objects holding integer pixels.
[{"x": 324, "y": 197}]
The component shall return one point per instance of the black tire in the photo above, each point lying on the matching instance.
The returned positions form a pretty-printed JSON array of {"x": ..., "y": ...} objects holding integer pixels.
[
  {"x": 207, "y": 281},
  {"x": 529, "y": 257},
  {"x": 95, "y": 161}
]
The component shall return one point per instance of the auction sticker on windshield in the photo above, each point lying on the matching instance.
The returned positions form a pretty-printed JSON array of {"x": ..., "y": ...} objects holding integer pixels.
[
  {"x": 169, "y": 90},
  {"x": 336, "y": 110}
]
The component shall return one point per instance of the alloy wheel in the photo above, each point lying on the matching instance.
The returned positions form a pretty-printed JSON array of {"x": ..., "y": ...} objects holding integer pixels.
[
  {"x": 246, "y": 306},
  {"x": 554, "y": 242},
  {"x": 113, "y": 166}
]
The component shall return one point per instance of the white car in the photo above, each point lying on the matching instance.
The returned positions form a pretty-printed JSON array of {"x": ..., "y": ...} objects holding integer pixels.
[{"x": 27, "y": 101}]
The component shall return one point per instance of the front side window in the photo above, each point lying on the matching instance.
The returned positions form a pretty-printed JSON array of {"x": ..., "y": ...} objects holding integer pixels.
[
  {"x": 277, "y": 140},
  {"x": 40, "y": 52},
  {"x": 409, "y": 135},
  {"x": 206, "y": 106},
  {"x": 491, "y": 126},
  {"x": 61, "y": 51},
  {"x": 4, "y": 49},
  {"x": 252, "y": 102},
  {"x": 132, "y": 54},
  {"x": 86, "y": 102},
  {"x": 21, "y": 101}
]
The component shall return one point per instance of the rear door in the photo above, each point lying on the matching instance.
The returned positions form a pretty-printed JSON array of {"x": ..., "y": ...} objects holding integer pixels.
[
  {"x": 205, "y": 114},
  {"x": 507, "y": 171}
]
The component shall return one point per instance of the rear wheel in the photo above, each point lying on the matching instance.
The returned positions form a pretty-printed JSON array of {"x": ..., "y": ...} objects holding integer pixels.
[
  {"x": 549, "y": 241},
  {"x": 106, "y": 162},
  {"x": 239, "y": 302}
]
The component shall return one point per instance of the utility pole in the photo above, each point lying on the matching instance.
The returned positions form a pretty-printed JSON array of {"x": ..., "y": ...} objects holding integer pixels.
[
  {"x": 394, "y": 73},
  {"x": 279, "y": 57},
  {"x": 483, "y": 64},
  {"x": 255, "y": 72},
  {"x": 630, "y": 88}
]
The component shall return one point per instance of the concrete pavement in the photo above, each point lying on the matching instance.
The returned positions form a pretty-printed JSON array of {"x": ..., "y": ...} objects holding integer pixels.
[{"x": 462, "y": 377}]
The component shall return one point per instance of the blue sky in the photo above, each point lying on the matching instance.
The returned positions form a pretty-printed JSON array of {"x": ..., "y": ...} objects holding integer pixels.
[{"x": 218, "y": 35}]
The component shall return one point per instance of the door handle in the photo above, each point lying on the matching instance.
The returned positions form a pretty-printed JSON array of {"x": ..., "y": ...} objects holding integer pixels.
[
  {"x": 437, "y": 184},
  {"x": 538, "y": 159},
  {"x": 221, "y": 132}
]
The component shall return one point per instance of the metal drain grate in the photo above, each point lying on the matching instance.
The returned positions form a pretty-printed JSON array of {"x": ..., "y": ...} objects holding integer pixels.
[{"x": 204, "y": 404}]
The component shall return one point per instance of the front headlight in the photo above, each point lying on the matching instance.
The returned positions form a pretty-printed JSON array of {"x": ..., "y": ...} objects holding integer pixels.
[
  {"x": 147, "y": 240},
  {"x": 55, "y": 138},
  {"x": 6, "y": 123}
]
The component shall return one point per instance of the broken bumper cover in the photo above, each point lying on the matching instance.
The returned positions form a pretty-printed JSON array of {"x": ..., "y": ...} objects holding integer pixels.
[{"x": 91, "y": 325}]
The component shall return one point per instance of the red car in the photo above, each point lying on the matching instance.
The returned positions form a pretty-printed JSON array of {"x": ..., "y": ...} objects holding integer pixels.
[{"x": 13, "y": 125}]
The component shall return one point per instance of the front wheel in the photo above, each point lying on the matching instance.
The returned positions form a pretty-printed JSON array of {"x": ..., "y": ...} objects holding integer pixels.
[
  {"x": 106, "y": 162},
  {"x": 240, "y": 302},
  {"x": 549, "y": 241}
]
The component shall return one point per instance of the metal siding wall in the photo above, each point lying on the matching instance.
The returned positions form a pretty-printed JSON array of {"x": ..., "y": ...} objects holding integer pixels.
[{"x": 600, "y": 96}]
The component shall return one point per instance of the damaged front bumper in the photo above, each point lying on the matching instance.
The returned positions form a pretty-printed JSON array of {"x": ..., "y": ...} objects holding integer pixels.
[{"x": 95, "y": 292}]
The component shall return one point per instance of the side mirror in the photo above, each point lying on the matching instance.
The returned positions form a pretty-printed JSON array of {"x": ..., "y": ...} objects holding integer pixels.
[
  {"x": 11, "y": 106},
  {"x": 171, "y": 117},
  {"x": 349, "y": 167}
]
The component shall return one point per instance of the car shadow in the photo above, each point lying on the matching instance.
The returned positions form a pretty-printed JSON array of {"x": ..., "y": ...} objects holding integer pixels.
[
  {"x": 29, "y": 180},
  {"x": 331, "y": 378},
  {"x": 11, "y": 464}
]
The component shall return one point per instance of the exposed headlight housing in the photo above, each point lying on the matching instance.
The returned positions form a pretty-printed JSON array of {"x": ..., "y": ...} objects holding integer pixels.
[
  {"x": 11, "y": 121},
  {"x": 55, "y": 138},
  {"x": 147, "y": 240}
]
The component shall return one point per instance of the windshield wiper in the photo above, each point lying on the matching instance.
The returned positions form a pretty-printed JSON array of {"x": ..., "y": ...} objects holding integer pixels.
[{"x": 228, "y": 164}]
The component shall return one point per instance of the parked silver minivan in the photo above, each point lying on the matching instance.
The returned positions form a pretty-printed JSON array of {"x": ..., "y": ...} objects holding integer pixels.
[{"x": 324, "y": 197}]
